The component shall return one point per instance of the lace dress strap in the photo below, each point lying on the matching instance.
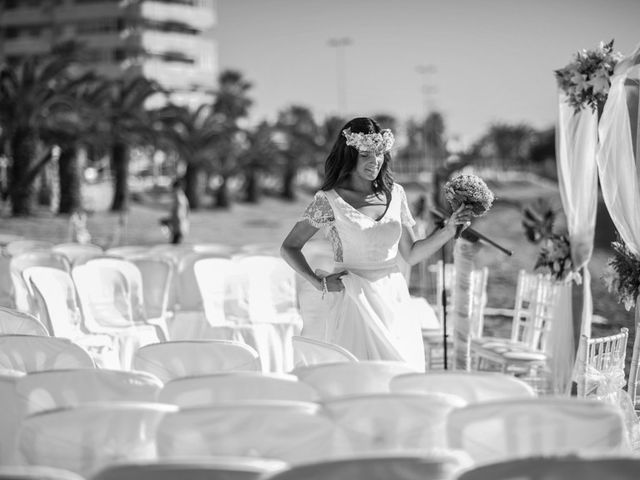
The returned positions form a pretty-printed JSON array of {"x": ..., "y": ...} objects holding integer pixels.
[
  {"x": 406, "y": 218},
  {"x": 319, "y": 213}
]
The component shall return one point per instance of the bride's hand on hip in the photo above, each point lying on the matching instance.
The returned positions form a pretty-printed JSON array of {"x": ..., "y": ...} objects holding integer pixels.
[{"x": 334, "y": 282}]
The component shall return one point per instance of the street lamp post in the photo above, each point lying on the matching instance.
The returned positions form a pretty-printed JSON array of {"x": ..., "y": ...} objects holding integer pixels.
[
  {"x": 427, "y": 89},
  {"x": 339, "y": 44}
]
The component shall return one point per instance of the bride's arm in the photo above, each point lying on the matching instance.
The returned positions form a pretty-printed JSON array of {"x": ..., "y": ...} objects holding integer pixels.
[
  {"x": 415, "y": 251},
  {"x": 291, "y": 251}
]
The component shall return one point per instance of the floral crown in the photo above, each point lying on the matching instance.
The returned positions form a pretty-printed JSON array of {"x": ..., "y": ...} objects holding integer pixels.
[{"x": 370, "y": 142}]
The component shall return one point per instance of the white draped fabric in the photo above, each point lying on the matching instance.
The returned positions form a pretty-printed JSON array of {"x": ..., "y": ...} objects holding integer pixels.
[{"x": 576, "y": 147}]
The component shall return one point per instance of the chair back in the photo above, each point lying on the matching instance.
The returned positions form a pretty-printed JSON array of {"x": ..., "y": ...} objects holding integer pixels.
[
  {"x": 128, "y": 251},
  {"x": 87, "y": 438},
  {"x": 473, "y": 387},
  {"x": 133, "y": 277},
  {"x": 507, "y": 429},
  {"x": 219, "y": 468},
  {"x": 56, "y": 296},
  {"x": 13, "y": 322},
  {"x": 556, "y": 468},
  {"x": 601, "y": 363},
  {"x": 29, "y": 353},
  {"x": 439, "y": 465},
  {"x": 178, "y": 359},
  {"x": 54, "y": 389},
  {"x": 214, "y": 280},
  {"x": 234, "y": 387},
  {"x": 384, "y": 422},
  {"x": 104, "y": 297},
  {"x": 351, "y": 378},
  {"x": 157, "y": 277},
  {"x": 78, "y": 251},
  {"x": 32, "y": 472},
  {"x": 634, "y": 368},
  {"x": 288, "y": 431},
  {"x": 309, "y": 351},
  {"x": 187, "y": 292},
  {"x": 23, "y": 295}
]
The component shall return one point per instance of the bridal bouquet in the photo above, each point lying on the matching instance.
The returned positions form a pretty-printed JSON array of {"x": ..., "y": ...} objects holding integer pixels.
[
  {"x": 468, "y": 190},
  {"x": 555, "y": 259},
  {"x": 586, "y": 80},
  {"x": 622, "y": 275}
]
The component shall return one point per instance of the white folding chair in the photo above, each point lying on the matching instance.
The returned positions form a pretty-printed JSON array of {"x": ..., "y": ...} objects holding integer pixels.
[
  {"x": 218, "y": 468},
  {"x": 178, "y": 359},
  {"x": 23, "y": 296},
  {"x": 128, "y": 251},
  {"x": 351, "y": 378},
  {"x": 31, "y": 472},
  {"x": 634, "y": 368},
  {"x": 10, "y": 415},
  {"x": 78, "y": 251},
  {"x": 508, "y": 429},
  {"x": 234, "y": 387},
  {"x": 16, "y": 247},
  {"x": 40, "y": 391},
  {"x": 441, "y": 464},
  {"x": 473, "y": 387},
  {"x": 30, "y": 353},
  {"x": 309, "y": 351},
  {"x": 394, "y": 421},
  {"x": 20, "y": 323},
  {"x": 289, "y": 431},
  {"x": 86, "y": 438},
  {"x": 556, "y": 468}
]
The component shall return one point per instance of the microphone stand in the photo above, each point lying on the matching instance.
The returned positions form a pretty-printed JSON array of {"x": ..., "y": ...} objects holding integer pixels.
[{"x": 471, "y": 235}]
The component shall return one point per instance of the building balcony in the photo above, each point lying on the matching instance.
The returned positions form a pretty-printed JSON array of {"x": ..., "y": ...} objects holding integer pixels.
[
  {"x": 25, "y": 46},
  {"x": 79, "y": 12},
  {"x": 178, "y": 76},
  {"x": 24, "y": 16},
  {"x": 198, "y": 17},
  {"x": 160, "y": 42}
]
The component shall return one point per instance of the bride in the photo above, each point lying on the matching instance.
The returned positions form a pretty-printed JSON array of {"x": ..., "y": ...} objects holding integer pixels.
[{"x": 366, "y": 217}]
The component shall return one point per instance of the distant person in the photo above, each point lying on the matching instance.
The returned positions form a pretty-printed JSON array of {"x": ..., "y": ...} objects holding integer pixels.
[
  {"x": 178, "y": 220},
  {"x": 366, "y": 216}
]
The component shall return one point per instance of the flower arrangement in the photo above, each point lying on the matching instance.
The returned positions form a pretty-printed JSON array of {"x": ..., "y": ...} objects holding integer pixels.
[
  {"x": 622, "y": 275},
  {"x": 555, "y": 259},
  {"x": 468, "y": 190},
  {"x": 586, "y": 80},
  {"x": 370, "y": 142}
]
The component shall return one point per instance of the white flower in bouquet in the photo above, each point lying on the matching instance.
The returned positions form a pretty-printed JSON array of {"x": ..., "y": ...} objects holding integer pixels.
[{"x": 469, "y": 190}]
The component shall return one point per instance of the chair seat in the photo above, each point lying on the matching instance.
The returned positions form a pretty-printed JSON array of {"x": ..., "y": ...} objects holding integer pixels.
[{"x": 525, "y": 356}]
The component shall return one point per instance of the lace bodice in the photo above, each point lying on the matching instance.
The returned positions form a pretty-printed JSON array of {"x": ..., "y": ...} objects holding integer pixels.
[{"x": 356, "y": 238}]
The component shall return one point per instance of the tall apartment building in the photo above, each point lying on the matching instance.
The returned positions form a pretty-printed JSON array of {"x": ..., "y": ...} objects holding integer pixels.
[{"x": 171, "y": 41}]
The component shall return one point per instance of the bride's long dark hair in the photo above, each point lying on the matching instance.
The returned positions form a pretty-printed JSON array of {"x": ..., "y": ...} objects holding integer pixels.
[{"x": 343, "y": 159}]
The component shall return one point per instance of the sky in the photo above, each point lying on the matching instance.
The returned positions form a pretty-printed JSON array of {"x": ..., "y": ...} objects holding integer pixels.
[{"x": 489, "y": 61}]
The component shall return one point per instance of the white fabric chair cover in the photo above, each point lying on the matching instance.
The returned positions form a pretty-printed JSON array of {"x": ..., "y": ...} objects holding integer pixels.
[
  {"x": 23, "y": 296},
  {"x": 16, "y": 247},
  {"x": 234, "y": 387},
  {"x": 31, "y": 472},
  {"x": 219, "y": 468},
  {"x": 556, "y": 468},
  {"x": 78, "y": 251},
  {"x": 473, "y": 387},
  {"x": 68, "y": 388},
  {"x": 20, "y": 323},
  {"x": 501, "y": 430},
  {"x": 87, "y": 438},
  {"x": 309, "y": 351},
  {"x": 440, "y": 465},
  {"x": 351, "y": 378},
  {"x": 177, "y": 359},
  {"x": 29, "y": 353},
  {"x": 290, "y": 431},
  {"x": 394, "y": 421},
  {"x": 9, "y": 415}
]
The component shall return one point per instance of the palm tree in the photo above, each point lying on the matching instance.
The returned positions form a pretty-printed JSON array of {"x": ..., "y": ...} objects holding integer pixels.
[
  {"x": 259, "y": 155},
  {"x": 231, "y": 105},
  {"x": 301, "y": 144},
  {"x": 30, "y": 93},
  {"x": 126, "y": 122},
  {"x": 192, "y": 134}
]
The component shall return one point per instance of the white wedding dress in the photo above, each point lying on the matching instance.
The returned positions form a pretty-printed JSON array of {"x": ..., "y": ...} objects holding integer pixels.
[{"x": 372, "y": 317}]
